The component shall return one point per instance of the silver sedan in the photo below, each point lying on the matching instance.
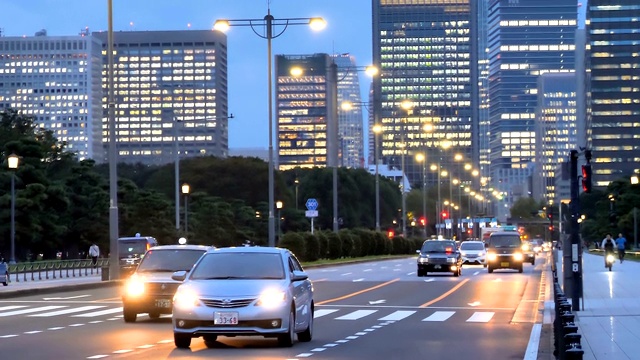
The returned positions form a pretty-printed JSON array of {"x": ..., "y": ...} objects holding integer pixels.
[{"x": 244, "y": 291}]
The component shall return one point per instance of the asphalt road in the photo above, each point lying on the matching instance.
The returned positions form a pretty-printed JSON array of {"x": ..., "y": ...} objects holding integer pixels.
[{"x": 378, "y": 310}]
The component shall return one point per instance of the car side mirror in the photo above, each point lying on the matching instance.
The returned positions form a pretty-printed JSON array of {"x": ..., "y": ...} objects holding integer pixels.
[
  {"x": 179, "y": 275},
  {"x": 417, "y": 251},
  {"x": 486, "y": 246},
  {"x": 299, "y": 276}
]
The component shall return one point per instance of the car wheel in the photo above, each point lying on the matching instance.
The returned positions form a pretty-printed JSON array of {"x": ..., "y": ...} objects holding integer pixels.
[
  {"x": 129, "y": 315},
  {"x": 210, "y": 340},
  {"x": 456, "y": 273},
  {"x": 154, "y": 314},
  {"x": 484, "y": 265},
  {"x": 533, "y": 261},
  {"x": 307, "y": 335},
  {"x": 421, "y": 273},
  {"x": 520, "y": 269},
  {"x": 489, "y": 269},
  {"x": 182, "y": 341},
  {"x": 286, "y": 340}
]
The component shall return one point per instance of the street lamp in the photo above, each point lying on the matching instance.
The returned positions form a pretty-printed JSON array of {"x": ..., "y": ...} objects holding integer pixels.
[
  {"x": 406, "y": 105},
  {"x": 13, "y": 161},
  {"x": 114, "y": 265},
  {"x": 268, "y": 23},
  {"x": 279, "y": 207},
  {"x": 377, "y": 129},
  {"x": 297, "y": 182},
  {"x": 423, "y": 159},
  {"x": 185, "y": 191}
]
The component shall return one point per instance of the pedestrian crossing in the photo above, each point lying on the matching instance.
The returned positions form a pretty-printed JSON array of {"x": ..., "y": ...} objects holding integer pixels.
[{"x": 338, "y": 314}]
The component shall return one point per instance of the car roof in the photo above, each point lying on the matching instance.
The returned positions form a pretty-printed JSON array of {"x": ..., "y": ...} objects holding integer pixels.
[
  {"x": 248, "y": 249},
  {"x": 181, "y": 247},
  {"x": 438, "y": 240},
  {"x": 502, "y": 233},
  {"x": 472, "y": 242}
]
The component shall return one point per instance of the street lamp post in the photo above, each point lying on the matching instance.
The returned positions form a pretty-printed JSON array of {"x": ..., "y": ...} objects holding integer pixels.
[
  {"x": 114, "y": 266},
  {"x": 13, "y": 161},
  {"x": 297, "y": 183},
  {"x": 406, "y": 105},
  {"x": 269, "y": 22},
  {"x": 279, "y": 205},
  {"x": 377, "y": 129},
  {"x": 185, "y": 191},
  {"x": 422, "y": 158}
]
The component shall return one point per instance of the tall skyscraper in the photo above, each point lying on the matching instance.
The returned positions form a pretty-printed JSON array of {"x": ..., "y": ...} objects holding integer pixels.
[
  {"x": 614, "y": 94},
  {"x": 168, "y": 85},
  {"x": 526, "y": 38},
  {"x": 426, "y": 53},
  {"x": 56, "y": 81}
]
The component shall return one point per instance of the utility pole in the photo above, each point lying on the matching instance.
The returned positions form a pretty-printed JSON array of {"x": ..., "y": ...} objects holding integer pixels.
[{"x": 576, "y": 249}]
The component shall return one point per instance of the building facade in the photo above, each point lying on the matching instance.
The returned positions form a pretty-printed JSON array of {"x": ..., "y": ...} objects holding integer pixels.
[
  {"x": 56, "y": 80},
  {"x": 426, "y": 51},
  {"x": 526, "y": 38},
  {"x": 614, "y": 88},
  {"x": 169, "y": 87}
]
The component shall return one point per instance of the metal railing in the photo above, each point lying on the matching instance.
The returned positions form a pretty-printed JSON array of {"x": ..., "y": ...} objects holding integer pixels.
[
  {"x": 566, "y": 340},
  {"x": 45, "y": 270}
]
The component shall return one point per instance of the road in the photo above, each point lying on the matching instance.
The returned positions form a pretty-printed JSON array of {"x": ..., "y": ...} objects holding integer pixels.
[{"x": 377, "y": 310}]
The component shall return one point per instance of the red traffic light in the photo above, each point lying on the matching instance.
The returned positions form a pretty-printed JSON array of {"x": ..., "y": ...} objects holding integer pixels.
[
  {"x": 586, "y": 178},
  {"x": 445, "y": 214},
  {"x": 423, "y": 221},
  {"x": 390, "y": 234}
]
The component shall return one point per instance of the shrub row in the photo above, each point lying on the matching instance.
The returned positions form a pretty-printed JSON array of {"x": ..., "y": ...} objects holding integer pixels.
[{"x": 347, "y": 243}]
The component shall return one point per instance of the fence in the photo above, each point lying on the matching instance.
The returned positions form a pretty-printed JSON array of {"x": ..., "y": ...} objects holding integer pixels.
[
  {"x": 45, "y": 270},
  {"x": 566, "y": 340}
]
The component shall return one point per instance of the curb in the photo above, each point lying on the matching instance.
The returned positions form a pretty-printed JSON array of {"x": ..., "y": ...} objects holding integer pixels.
[{"x": 54, "y": 289}]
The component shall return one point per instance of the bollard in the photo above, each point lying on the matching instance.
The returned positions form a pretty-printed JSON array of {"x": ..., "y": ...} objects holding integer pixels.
[
  {"x": 574, "y": 354},
  {"x": 105, "y": 272},
  {"x": 572, "y": 340}
]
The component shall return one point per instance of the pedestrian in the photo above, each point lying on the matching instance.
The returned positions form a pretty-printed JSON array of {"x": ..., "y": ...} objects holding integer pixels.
[
  {"x": 621, "y": 243},
  {"x": 94, "y": 252}
]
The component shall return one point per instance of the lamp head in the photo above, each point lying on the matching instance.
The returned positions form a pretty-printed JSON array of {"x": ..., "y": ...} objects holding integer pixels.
[
  {"x": 13, "y": 161},
  {"x": 317, "y": 23},
  {"x": 221, "y": 25},
  {"x": 186, "y": 188}
]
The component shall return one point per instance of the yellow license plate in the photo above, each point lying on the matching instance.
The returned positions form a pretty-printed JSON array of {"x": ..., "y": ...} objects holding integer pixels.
[{"x": 504, "y": 264}]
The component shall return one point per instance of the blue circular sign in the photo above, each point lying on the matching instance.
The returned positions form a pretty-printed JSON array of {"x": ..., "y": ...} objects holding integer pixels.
[{"x": 311, "y": 204}]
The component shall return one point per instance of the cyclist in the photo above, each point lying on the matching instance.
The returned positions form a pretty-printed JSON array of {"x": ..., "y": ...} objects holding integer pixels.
[{"x": 607, "y": 245}]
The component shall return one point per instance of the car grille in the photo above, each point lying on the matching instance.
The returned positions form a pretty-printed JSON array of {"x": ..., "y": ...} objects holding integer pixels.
[
  {"x": 162, "y": 288},
  {"x": 227, "y": 303},
  {"x": 438, "y": 261}
]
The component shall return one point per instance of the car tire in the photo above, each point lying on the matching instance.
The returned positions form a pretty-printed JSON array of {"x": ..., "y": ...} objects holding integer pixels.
[
  {"x": 154, "y": 314},
  {"x": 421, "y": 273},
  {"x": 182, "y": 341},
  {"x": 210, "y": 340},
  {"x": 456, "y": 273},
  {"x": 520, "y": 269},
  {"x": 307, "y": 334},
  {"x": 484, "y": 265},
  {"x": 533, "y": 262},
  {"x": 286, "y": 340},
  {"x": 489, "y": 269},
  {"x": 129, "y": 315}
]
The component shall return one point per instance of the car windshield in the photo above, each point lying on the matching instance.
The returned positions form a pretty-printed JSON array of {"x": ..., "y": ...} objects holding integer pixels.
[
  {"x": 239, "y": 265},
  {"x": 438, "y": 246},
  {"x": 132, "y": 247},
  {"x": 505, "y": 241},
  {"x": 169, "y": 260},
  {"x": 471, "y": 246}
]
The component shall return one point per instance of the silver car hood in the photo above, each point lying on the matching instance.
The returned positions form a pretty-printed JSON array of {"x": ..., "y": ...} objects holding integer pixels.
[{"x": 232, "y": 287}]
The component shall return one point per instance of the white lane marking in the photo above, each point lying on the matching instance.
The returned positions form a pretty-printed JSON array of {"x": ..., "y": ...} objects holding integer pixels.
[
  {"x": 366, "y": 270},
  {"x": 67, "y": 311},
  {"x": 534, "y": 343},
  {"x": 30, "y": 310},
  {"x": 376, "y": 302},
  {"x": 476, "y": 273},
  {"x": 475, "y": 303},
  {"x": 397, "y": 315},
  {"x": 346, "y": 274},
  {"x": 411, "y": 273},
  {"x": 361, "y": 333},
  {"x": 356, "y": 315},
  {"x": 7, "y": 336},
  {"x": 429, "y": 280},
  {"x": 122, "y": 351},
  {"x": 322, "y": 312},
  {"x": 66, "y": 298},
  {"x": 439, "y": 316},
  {"x": 32, "y": 332},
  {"x": 97, "y": 356},
  {"x": 99, "y": 313},
  {"x": 330, "y": 345},
  {"x": 481, "y": 316},
  {"x": 358, "y": 280},
  {"x": 352, "y": 337},
  {"x": 397, "y": 269},
  {"x": 342, "y": 341},
  {"x": 12, "y": 307},
  {"x": 304, "y": 355},
  {"x": 145, "y": 346},
  {"x": 56, "y": 328},
  {"x": 318, "y": 349}
]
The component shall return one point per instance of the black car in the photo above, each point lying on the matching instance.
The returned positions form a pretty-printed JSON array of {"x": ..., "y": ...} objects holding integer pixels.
[
  {"x": 439, "y": 256},
  {"x": 504, "y": 251}
]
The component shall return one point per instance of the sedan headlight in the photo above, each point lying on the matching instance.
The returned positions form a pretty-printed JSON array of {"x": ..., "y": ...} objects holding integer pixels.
[
  {"x": 525, "y": 247},
  {"x": 423, "y": 260},
  {"x": 451, "y": 260},
  {"x": 463, "y": 253},
  {"x": 481, "y": 253},
  {"x": 134, "y": 287},
  {"x": 271, "y": 298},
  {"x": 517, "y": 256},
  {"x": 491, "y": 256},
  {"x": 185, "y": 299}
]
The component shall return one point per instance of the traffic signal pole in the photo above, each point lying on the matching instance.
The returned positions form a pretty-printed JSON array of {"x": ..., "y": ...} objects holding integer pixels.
[{"x": 576, "y": 249}]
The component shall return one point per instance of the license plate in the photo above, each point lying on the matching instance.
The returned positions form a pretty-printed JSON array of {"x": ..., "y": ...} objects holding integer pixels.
[
  {"x": 225, "y": 318},
  {"x": 504, "y": 264},
  {"x": 163, "y": 303},
  {"x": 436, "y": 266}
]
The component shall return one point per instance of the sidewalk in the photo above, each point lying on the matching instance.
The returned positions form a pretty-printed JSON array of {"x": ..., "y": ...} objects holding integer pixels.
[
  {"x": 609, "y": 319},
  {"x": 51, "y": 285}
]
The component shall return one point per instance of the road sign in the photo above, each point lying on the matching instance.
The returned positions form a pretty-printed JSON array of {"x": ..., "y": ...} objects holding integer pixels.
[
  {"x": 311, "y": 204},
  {"x": 311, "y": 213}
]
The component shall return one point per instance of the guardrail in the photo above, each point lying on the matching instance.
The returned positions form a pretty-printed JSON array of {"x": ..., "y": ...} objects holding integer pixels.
[
  {"x": 566, "y": 340},
  {"x": 45, "y": 270}
]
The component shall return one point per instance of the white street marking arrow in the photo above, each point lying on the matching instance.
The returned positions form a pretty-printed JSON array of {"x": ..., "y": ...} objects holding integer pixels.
[
  {"x": 475, "y": 303},
  {"x": 376, "y": 302},
  {"x": 66, "y": 298}
]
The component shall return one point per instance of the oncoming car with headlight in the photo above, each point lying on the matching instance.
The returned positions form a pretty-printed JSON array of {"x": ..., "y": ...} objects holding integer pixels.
[
  {"x": 504, "y": 251},
  {"x": 150, "y": 288},
  {"x": 439, "y": 256},
  {"x": 243, "y": 291}
]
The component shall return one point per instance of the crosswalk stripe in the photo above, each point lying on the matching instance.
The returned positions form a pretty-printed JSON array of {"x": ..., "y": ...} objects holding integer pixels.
[
  {"x": 67, "y": 311},
  {"x": 322, "y": 312},
  {"x": 397, "y": 315},
  {"x": 439, "y": 316},
  {"x": 12, "y": 307},
  {"x": 31, "y": 310},
  {"x": 481, "y": 316},
  {"x": 356, "y": 315},
  {"x": 99, "y": 313}
]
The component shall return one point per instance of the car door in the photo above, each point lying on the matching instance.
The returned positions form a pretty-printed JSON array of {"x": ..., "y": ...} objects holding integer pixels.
[{"x": 301, "y": 294}]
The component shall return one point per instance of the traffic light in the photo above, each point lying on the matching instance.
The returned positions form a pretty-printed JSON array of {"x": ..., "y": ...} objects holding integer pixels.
[
  {"x": 586, "y": 178},
  {"x": 423, "y": 221},
  {"x": 445, "y": 214},
  {"x": 391, "y": 234}
]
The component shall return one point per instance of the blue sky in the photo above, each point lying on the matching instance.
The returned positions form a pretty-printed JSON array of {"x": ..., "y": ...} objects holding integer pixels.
[{"x": 348, "y": 31}]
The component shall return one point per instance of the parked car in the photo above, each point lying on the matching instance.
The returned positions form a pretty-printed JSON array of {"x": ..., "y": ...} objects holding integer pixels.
[
  {"x": 242, "y": 291},
  {"x": 504, "y": 251},
  {"x": 150, "y": 288},
  {"x": 473, "y": 252},
  {"x": 439, "y": 256}
]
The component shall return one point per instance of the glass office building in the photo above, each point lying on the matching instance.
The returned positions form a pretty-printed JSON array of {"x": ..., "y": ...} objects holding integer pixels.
[
  {"x": 426, "y": 53},
  {"x": 169, "y": 86},
  {"x": 56, "y": 81},
  {"x": 613, "y": 60}
]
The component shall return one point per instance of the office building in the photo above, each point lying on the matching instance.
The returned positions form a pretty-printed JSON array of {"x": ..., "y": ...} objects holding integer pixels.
[
  {"x": 168, "y": 86},
  {"x": 426, "y": 52},
  {"x": 56, "y": 81},
  {"x": 526, "y": 38},
  {"x": 613, "y": 38}
]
